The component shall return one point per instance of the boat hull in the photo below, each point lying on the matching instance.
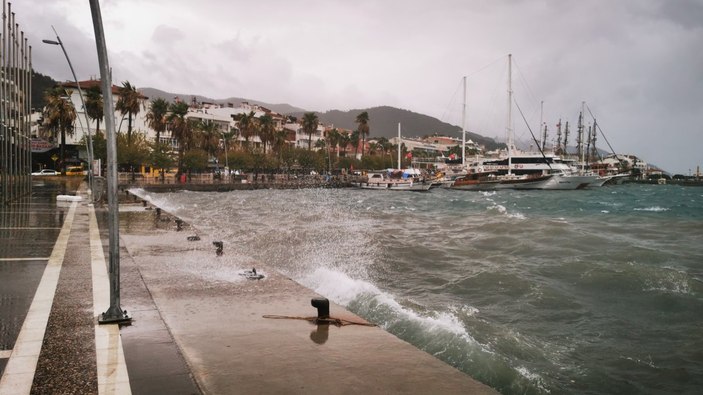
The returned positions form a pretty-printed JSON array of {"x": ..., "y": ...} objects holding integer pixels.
[
  {"x": 570, "y": 182},
  {"x": 394, "y": 186}
]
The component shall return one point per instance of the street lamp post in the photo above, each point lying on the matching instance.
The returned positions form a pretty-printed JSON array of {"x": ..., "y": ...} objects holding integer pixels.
[
  {"x": 114, "y": 313},
  {"x": 89, "y": 144}
]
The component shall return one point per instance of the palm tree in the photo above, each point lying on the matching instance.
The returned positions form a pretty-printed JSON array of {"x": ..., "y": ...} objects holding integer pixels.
[
  {"x": 354, "y": 140},
  {"x": 181, "y": 128},
  {"x": 208, "y": 136},
  {"x": 363, "y": 128},
  {"x": 129, "y": 103},
  {"x": 247, "y": 124},
  {"x": 59, "y": 115},
  {"x": 310, "y": 123},
  {"x": 94, "y": 105},
  {"x": 334, "y": 138},
  {"x": 156, "y": 117},
  {"x": 385, "y": 146},
  {"x": 344, "y": 141},
  {"x": 373, "y": 147},
  {"x": 266, "y": 129},
  {"x": 279, "y": 142}
]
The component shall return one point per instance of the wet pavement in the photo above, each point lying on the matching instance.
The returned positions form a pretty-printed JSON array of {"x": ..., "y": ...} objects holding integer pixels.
[{"x": 198, "y": 326}]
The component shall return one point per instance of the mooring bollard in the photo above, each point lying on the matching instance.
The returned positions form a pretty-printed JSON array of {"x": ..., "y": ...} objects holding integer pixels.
[
  {"x": 179, "y": 224},
  {"x": 323, "y": 307},
  {"x": 218, "y": 247},
  {"x": 143, "y": 203},
  {"x": 158, "y": 212}
]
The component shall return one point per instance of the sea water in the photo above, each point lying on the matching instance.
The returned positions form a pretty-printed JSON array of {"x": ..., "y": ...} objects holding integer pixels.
[{"x": 531, "y": 292}]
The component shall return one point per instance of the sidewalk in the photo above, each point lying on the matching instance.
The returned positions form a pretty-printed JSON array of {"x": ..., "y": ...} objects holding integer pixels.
[{"x": 190, "y": 333}]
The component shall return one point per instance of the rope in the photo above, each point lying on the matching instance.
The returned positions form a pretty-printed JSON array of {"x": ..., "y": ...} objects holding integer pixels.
[{"x": 318, "y": 321}]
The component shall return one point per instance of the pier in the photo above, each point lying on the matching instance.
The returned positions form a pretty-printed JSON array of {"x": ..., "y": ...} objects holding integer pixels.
[{"x": 189, "y": 333}]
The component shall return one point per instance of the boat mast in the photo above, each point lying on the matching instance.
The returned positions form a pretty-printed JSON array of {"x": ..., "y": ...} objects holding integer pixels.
[
  {"x": 541, "y": 122},
  {"x": 463, "y": 129},
  {"x": 510, "y": 104},
  {"x": 544, "y": 137},
  {"x": 399, "y": 166},
  {"x": 558, "y": 148},
  {"x": 583, "y": 107}
]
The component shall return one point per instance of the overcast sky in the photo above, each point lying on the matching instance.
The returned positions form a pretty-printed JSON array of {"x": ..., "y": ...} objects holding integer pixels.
[{"x": 638, "y": 64}]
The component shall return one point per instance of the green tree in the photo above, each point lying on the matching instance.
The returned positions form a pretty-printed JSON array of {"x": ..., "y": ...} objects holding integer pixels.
[
  {"x": 132, "y": 154},
  {"x": 279, "y": 143},
  {"x": 344, "y": 141},
  {"x": 363, "y": 128},
  {"x": 181, "y": 128},
  {"x": 354, "y": 140},
  {"x": 161, "y": 158},
  {"x": 156, "y": 117},
  {"x": 310, "y": 123},
  {"x": 267, "y": 129},
  {"x": 333, "y": 137},
  {"x": 94, "y": 105},
  {"x": 195, "y": 160},
  {"x": 247, "y": 124},
  {"x": 59, "y": 116},
  {"x": 128, "y": 104},
  {"x": 208, "y": 136}
]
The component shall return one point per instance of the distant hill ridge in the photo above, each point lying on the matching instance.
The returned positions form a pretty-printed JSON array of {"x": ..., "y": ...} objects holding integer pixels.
[
  {"x": 383, "y": 120},
  {"x": 153, "y": 93}
]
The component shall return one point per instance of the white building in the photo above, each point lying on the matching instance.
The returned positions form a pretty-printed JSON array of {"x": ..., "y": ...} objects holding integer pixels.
[{"x": 222, "y": 115}]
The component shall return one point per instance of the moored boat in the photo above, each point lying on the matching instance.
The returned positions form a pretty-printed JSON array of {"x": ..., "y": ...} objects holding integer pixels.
[{"x": 385, "y": 181}]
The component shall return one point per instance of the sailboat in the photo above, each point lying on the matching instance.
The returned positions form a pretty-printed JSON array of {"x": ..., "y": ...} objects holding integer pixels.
[
  {"x": 519, "y": 169},
  {"x": 394, "y": 179},
  {"x": 484, "y": 175}
]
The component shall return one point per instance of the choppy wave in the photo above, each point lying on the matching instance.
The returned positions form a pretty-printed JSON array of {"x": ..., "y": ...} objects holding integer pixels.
[
  {"x": 653, "y": 209},
  {"x": 529, "y": 292}
]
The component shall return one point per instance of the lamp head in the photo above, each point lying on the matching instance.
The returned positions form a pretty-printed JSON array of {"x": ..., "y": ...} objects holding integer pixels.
[{"x": 52, "y": 42}]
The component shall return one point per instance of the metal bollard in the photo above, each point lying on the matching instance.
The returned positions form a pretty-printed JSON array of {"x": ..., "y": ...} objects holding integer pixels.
[
  {"x": 179, "y": 224},
  {"x": 323, "y": 307},
  {"x": 158, "y": 212},
  {"x": 218, "y": 247},
  {"x": 143, "y": 203}
]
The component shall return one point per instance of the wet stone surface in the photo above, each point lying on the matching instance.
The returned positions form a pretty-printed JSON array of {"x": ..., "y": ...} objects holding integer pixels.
[
  {"x": 18, "y": 282},
  {"x": 67, "y": 363}
]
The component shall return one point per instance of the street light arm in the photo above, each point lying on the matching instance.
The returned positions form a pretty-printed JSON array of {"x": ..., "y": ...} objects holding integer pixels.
[{"x": 85, "y": 110}]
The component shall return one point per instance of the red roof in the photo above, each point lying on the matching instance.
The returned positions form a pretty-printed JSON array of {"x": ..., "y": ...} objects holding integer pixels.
[{"x": 93, "y": 83}]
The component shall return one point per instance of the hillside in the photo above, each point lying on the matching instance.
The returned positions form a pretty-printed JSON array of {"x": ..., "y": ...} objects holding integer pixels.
[
  {"x": 153, "y": 93},
  {"x": 383, "y": 122},
  {"x": 40, "y": 84}
]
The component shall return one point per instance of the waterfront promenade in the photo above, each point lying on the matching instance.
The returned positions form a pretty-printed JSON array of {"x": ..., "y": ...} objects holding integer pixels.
[{"x": 190, "y": 333}]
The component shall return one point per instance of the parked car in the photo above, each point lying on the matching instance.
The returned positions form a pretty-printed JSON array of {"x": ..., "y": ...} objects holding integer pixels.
[
  {"x": 46, "y": 172},
  {"x": 75, "y": 171}
]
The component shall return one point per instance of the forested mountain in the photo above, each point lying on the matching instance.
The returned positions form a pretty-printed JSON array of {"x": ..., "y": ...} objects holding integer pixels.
[
  {"x": 153, "y": 93},
  {"x": 383, "y": 122},
  {"x": 40, "y": 83}
]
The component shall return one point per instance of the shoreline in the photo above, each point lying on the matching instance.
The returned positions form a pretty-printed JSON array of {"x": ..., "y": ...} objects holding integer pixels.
[{"x": 217, "y": 319}]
